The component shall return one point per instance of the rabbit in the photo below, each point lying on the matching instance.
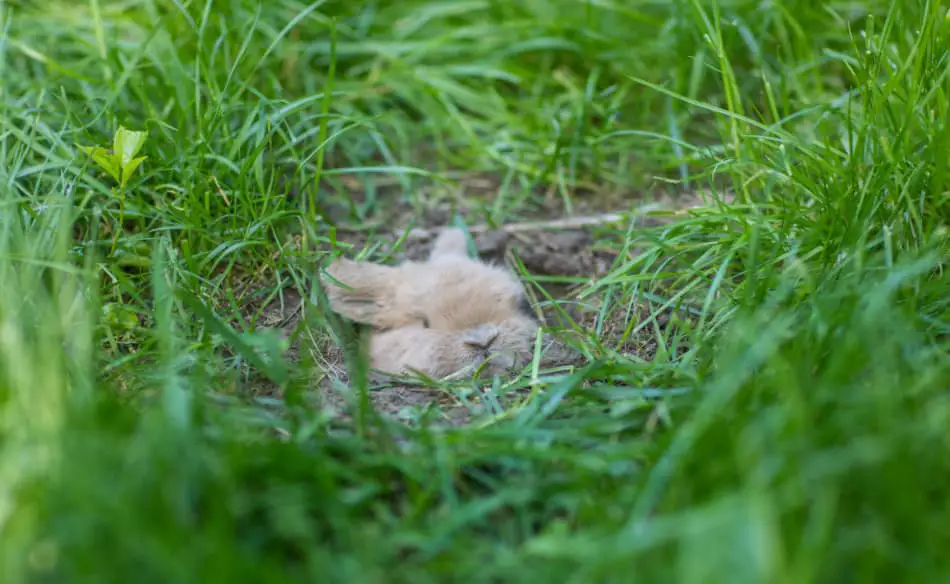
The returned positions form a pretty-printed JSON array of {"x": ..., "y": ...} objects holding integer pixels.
[{"x": 450, "y": 314}]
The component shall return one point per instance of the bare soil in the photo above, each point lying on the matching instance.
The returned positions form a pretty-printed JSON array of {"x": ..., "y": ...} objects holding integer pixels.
[{"x": 577, "y": 253}]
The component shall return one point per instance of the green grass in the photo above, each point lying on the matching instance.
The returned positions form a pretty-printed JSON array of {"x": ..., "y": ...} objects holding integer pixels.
[{"x": 794, "y": 430}]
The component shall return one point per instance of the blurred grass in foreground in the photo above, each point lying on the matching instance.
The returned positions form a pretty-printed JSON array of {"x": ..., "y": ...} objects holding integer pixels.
[{"x": 800, "y": 437}]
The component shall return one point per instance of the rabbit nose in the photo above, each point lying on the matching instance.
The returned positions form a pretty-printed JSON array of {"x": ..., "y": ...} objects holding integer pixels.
[{"x": 481, "y": 337}]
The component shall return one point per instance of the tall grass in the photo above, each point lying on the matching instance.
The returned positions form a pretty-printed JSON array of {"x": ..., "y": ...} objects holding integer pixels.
[{"x": 789, "y": 429}]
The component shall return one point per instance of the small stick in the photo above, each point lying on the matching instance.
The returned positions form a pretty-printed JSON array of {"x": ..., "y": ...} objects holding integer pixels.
[
  {"x": 528, "y": 226},
  {"x": 562, "y": 223}
]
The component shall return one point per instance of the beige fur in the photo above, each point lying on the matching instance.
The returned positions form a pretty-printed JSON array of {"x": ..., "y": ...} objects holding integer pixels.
[{"x": 447, "y": 315}]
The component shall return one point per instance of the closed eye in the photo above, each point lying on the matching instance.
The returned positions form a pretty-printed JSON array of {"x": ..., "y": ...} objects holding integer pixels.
[{"x": 481, "y": 338}]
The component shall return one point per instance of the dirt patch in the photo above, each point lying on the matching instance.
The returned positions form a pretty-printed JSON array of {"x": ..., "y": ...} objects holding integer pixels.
[
  {"x": 570, "y": 249},
  {"x": 351, "y": 204},
  {"x": 405, "y": 403},
  {"x": 548, "y": 253},
  {"x": 584, "y": 244}
]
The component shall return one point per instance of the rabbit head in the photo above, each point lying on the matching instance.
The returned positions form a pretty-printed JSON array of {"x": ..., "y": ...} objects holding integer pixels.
[{"x": 449, "y": 314}]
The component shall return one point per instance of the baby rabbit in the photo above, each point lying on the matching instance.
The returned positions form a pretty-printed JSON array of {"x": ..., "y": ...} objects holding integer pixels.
[{"x": 449, "y": 314}]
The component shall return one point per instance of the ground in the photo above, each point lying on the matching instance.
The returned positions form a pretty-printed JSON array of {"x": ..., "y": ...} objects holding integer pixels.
[
  {"x": 574, "y": 249},
  {"x": 731, "y": 216}
]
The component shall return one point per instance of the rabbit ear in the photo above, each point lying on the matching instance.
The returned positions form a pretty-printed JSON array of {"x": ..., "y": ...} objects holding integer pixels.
[
  {"x": 360, "y": 291},
  {"x": 450, "y": 242}
]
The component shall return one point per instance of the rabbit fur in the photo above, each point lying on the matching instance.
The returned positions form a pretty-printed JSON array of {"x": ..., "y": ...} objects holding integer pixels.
[{"x": 448, "y": 315}]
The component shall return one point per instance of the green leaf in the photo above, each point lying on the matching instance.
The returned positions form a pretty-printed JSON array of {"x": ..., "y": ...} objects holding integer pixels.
[
  {"x": 129, "y": 168},
  {"x": 105, "y": 159},
  {"x": 126, "y": 144},
  {"x": 121, "y": 162},
  {"x": 120, "y": 316},
  {"x": 132, "y": 260}
]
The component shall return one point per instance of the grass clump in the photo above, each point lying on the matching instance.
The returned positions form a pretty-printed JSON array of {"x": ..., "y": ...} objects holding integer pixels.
[{"x": 786, "y": 425}]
